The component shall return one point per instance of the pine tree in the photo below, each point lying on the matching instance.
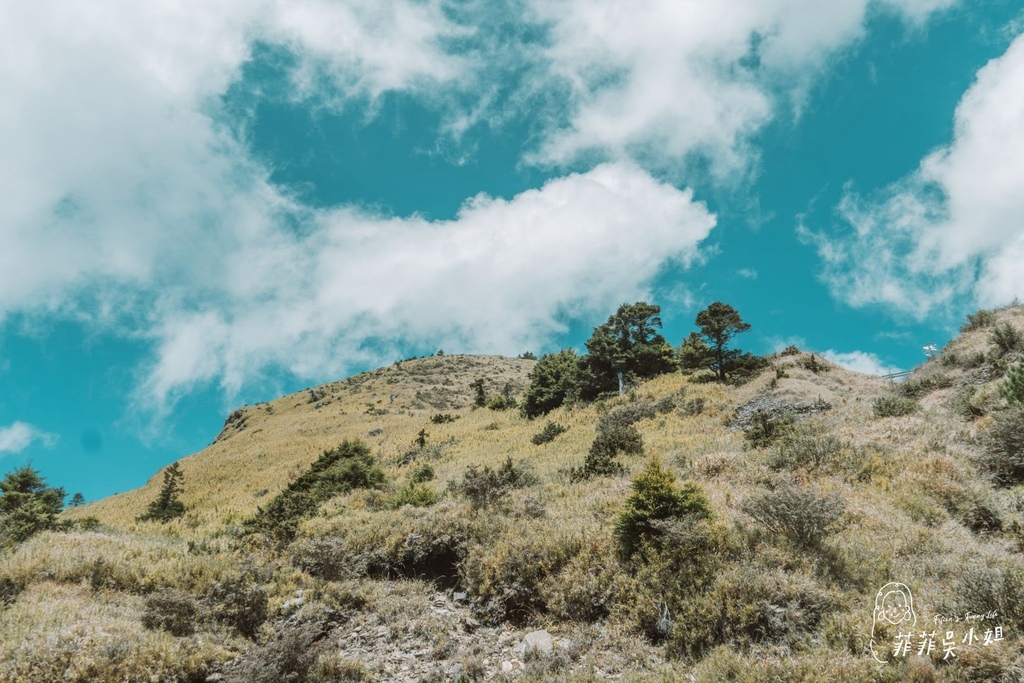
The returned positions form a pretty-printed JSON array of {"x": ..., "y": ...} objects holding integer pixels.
[
  {"x": 167, "y": 506},
  {"x": 1012, "y": 389},
  {"x": 76, "y": 500},
  {"x": 552, "y": 381},
  {"x": 629, "y": 343},
  {"x": 27, "y": 505},
  {"x": 718, "y": 324},
  {"x": 481, "y": 397}
]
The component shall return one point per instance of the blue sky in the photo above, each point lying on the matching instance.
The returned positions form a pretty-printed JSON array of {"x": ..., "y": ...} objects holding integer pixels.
[{"x": 211, "y": 203}]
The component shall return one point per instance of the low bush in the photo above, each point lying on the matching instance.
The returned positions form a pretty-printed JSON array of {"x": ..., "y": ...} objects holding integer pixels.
[
  {"x": 916, "y": 387},
  {"x": 967, "y": 405},
  {"x": 894, "y": 406},
  {"x": 239, "y": 602},
  {"x": 170, "y": 610},
  {"x": 1012, "y": 388},
  {"x": 978, "y": 320},
  {"x": 991, "y": 589},
  {"x": 417, "y": 494},
  {"x": 292, "y": 655},
  {"x": 790, "y": 350},
  {"x": 765, "y": 428},
  {"x": 805, "y": 449},
  {"x": 422, "y": 473},
  {"x": 426, "y": 544},
  {"x": 337, "y": 471},
  {"x": 656, "y": 496},
  {"x": 814, "y": 364},
  {"x": 695, "y": 406},
  {"x": 797, "y": 513},
  {"x": 505, "y": 577},
  {"x": 1003, "y": 453},
  {"x": 548, "y": 434},
  {"x": 442, "y": 418},
  {"x": 747, "y": 606},
  {"x": 600, "y": 460},
  {"x": 485, "y": 486},
  {"x": 1006, "y": 339}
]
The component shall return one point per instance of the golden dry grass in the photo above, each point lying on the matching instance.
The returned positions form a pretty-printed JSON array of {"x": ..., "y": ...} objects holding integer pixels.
[{"x": 908, "y": 484}]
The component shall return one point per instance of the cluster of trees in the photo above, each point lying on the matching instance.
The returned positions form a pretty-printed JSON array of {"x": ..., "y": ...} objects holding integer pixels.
[{"x": 629, "y": 347}]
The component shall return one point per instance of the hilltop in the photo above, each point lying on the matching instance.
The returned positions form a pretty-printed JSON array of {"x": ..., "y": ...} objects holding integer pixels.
[{"x": 822, "y": 485}]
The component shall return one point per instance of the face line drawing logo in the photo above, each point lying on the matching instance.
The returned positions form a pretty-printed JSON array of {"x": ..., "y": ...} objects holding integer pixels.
[{"x": 894, "y": 605}]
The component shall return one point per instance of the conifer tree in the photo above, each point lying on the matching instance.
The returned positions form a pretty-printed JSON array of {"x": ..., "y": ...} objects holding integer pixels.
[
  {"x": 27, "y": 505},
  {"x": 167, "y": 506},
  {"x": 1012, "y": 388}
]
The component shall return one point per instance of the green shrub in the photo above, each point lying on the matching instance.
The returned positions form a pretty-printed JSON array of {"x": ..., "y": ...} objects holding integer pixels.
[
  {"x": 548, "y": 434},
  {"x": 337, "y": 471},
  {"x": 797, "y": 513},
  {"x": 239, "y": 602},
  {"x": 414, "y": 493},
  {"x": 805, "y": 449},
  {"x": 812, "y": 363},
  {"x": 998, "y": 589},
  {"x": 27, "y": 505},
  {"x": 1012, "y": 388},
  {"x": 552, "y": 383},
  {"x": 695, "y": 406},
  {"x": 442, "y": 418},
  {"x": 600, "y": 461},
  {"x": 502, "y": 403},
  {"x": 765, "y": 428},
  {"x": 505, "y": 576},
  {"x": 965, "y": 405},
  {"x": 978, "y": 320},
  {"x": 292, "y": 655},
  {"x": 917, "y": 387},
  {"x": 170, "y": 610},
  {"x": 485, "y": 486},
  {"x": 1007, "y": 339},
  {"x": 656, "y": 497},
  {"x": 894, "y": 406},
  {"x": 1003, "y": 453},
  {"x": 746, "y": 606},
  {"x": 422, "y": 473},
  {"x": 790, "y": 350}
]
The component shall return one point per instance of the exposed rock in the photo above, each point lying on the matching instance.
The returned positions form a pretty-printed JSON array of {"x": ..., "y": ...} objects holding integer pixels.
[{"x": 538, "y": 642}]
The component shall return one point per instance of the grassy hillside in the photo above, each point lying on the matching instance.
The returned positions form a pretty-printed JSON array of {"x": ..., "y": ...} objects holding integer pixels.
[{"x": 820, "y": 493}]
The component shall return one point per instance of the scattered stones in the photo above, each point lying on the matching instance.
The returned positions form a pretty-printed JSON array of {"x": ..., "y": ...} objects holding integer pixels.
[{"x": 538, "y": 642}]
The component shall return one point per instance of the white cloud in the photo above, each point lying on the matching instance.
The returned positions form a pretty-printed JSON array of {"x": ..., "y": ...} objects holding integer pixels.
[
  {"x": 127, "y": 198},
  {"x": 663, "y": 79},
  {"x": 499, "y": 277},
  {"x": 860, "y": 361},
  {"x": 953, "y": 228},
  {"x": 19, "y": 436},
  {"x": 115, "y": 166},
  {"x": 748, "y": 273}
]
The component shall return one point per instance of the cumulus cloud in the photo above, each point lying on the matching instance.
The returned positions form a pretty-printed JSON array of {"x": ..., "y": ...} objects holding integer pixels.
[
  {"x": 129, "y": 199},
  {"x": 953, "y": 228},
  {"x": 860, "y": 361},
  {"x": 19, "y": 436},
  {"x": 501, "y": 276},
  {"x": 662, "y": 79}
]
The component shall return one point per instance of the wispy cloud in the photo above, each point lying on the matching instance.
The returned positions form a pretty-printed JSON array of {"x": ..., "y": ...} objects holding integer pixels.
[
  {"x": 19, "y": 436},
  {"x": 860, "y": 361},
  {"x": 128, "y": 198},
  {"x": 663, "y": 80},
  {"x": 503, "y": 275},
  {"x": 955, "y": 227}
]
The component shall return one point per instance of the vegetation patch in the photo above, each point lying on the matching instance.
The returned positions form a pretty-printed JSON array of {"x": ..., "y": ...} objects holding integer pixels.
[
  {"x": 894, "y": 406},
  {"x": 548, "y": 434},
  {"x": 337, "y": 471}
]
